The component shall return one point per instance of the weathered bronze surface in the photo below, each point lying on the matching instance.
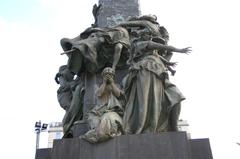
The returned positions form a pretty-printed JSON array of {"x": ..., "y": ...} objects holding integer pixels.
[
  {"x": 145, "y": 101},
  {"x": 105, "y": 119}
]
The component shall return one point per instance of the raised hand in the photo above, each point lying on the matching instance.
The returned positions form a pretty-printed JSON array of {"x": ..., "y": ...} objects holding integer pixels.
[
  {"x": 105, "y": 80},
  {"x": 186, "y": 50}
]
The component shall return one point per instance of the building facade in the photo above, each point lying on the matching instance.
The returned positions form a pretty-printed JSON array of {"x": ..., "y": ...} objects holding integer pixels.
[{"x": 55, "y": 131}]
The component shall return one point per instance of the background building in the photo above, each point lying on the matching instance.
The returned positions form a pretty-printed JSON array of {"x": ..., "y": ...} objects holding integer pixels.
[
  {"x": 55, "y": 131},
  {"x": 184, "y": 126}
]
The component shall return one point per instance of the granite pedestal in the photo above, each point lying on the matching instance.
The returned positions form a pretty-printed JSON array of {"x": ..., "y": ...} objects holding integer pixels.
[
  {"x": 43, "y": 153},
  {"x": 171, "y": 145}
]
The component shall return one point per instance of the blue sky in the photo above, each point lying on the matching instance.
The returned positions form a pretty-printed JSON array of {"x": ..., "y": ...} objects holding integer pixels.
[
  {"x": 30, "y": 31},
  {"x": 17, "y": 9},
  {"x": 22, "y": 10}
]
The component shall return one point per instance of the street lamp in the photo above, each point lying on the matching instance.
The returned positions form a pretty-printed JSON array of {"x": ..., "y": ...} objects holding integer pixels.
[{"x": 39, "y": 127}]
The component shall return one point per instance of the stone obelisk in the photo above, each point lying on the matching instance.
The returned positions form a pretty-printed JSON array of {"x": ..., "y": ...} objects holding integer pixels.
[{"x": 113, "y": 12}]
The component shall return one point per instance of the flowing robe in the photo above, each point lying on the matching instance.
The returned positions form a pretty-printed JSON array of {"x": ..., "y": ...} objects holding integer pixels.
[
  {"x": 150, "y": 95},
  {"x": 94, "y": 49}
]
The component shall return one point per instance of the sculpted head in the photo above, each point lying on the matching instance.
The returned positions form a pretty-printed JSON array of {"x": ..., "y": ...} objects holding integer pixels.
[{"x": 108, "y": 71}]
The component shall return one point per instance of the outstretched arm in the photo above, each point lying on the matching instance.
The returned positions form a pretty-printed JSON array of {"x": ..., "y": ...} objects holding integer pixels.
[
  {"x": 153, "y": 45},
  {"x": 166, "y": 62}
]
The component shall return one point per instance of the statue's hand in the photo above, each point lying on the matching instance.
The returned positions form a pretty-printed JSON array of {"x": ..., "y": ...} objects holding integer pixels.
[
  {"x": 109, "y": 79},
  {"x": 105, "y": 80},
  {"x": 186, "y": 50},
  {"x": 173, "y": 64}
]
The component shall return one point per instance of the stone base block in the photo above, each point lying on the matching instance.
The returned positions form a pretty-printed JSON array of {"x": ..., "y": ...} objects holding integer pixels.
[
  {"x": 43, "y": 153},
  {"x": 200, "y": 149},
  {"x": 170, "y": 145}
]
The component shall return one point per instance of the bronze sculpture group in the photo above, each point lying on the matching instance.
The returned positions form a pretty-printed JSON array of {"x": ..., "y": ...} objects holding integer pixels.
[{"x": 145, "y": 101}]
